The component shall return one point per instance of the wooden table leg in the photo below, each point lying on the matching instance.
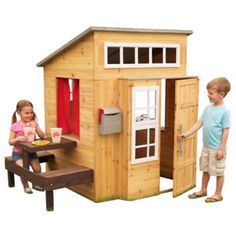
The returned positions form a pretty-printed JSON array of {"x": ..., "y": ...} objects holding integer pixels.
[
  {"x": 49, "y": 200},
  {"x": 11, "y": 179}
]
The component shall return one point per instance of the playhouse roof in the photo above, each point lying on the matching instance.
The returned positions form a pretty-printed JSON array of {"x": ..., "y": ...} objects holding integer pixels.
[{"x": 107, "y": 29}]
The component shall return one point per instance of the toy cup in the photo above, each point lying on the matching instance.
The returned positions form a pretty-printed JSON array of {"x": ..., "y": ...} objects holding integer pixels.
[
  {"x": 29, "y": 132},
  {"x": 56, "y": 135}
]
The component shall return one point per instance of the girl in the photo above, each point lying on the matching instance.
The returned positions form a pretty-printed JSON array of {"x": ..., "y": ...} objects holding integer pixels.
[{"x": 28, "y": 119}]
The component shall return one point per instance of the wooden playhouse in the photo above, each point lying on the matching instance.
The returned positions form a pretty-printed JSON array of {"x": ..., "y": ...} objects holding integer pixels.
[{"x": 123, "y": 95}]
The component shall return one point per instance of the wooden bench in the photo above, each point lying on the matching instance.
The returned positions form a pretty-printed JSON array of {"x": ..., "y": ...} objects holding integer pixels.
[
  {"x": 11, "y": 166},
  {"x": 62, "y": 178},
  {"x": 50, "y": 180}
]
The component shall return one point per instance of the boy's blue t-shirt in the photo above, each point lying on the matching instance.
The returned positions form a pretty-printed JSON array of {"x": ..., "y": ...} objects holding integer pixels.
[{"x": 214, "y": 120}]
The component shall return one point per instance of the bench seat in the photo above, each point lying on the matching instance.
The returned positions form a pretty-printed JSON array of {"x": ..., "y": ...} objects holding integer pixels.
[
  {"x": 67, "y": 177},
  {"x": 12, "y": 168},
  {"x": 50, "y": 180}
]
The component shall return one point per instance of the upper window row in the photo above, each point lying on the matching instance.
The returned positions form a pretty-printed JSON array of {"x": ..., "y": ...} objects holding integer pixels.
[{"x": 141, "y": 55}]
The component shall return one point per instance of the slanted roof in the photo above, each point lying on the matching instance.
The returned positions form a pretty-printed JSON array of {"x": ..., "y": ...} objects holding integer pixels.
[{"x": 107, "y": 29}]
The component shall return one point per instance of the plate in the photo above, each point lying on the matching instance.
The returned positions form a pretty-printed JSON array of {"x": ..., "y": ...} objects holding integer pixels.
[{"x": 40, "y": 142}]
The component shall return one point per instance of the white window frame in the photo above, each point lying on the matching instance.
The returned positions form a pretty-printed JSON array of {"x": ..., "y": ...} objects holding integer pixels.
[
  {"x": 146, "y": 124},
  {"x": 141, "y": 65}
]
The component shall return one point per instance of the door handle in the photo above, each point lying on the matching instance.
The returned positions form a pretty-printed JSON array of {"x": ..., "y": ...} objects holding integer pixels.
[{"x": 179, "y": 143}]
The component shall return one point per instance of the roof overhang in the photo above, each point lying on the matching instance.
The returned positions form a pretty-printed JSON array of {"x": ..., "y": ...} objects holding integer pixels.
[{"x": 107, "y": 29}]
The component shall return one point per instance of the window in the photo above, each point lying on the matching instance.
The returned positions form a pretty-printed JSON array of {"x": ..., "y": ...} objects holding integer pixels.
[
  {"x": 113, "y": 55},
  {"x": 145, "y": 124},
  {"x": 68, "y": 106},
  {"x": 170, "y": 55},
  {"x": 143, "y": 55},
  {"x": 157, "y": 55},
  {"x": 128, "y": 55},
  {"x": 145, "y": 144},
  {"x": 131, "y": 55}
]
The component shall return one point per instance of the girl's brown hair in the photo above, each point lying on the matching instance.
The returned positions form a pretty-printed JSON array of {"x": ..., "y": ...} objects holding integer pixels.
[{"x": 19, "y": 107}]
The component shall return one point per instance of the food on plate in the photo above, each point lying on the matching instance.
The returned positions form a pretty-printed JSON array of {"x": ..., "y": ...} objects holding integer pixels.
[{"x": 40, "y": 142}]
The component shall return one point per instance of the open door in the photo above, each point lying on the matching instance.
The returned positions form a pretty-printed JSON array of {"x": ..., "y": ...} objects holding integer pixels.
[{"x": 186, "y": 112}]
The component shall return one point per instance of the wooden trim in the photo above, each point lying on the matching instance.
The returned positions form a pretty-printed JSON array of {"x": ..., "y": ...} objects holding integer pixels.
[{"x": 150, "y": 64}]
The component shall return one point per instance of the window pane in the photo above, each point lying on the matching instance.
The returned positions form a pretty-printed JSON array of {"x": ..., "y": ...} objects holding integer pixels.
[
  {"x": 113, "y": 55},
  {"x": 140, "y": 152},
  {"x": 152, "y": 114},
  {"x": 143, "y": 55},
  {"x": 141, "y": 98},
  {"x": 152, "y": 98},
  {"x": 141, "y": 115},
  {"x": 70, "y": 86},
  {"x": 152, "y": 135},
  {"x": 141, "y": 137},
  {"x": 157, "y": 55},
  {"x": 128, "y": 54},
  {"x": 152, "y": 151},
  {"x": 170, "y": 55}
]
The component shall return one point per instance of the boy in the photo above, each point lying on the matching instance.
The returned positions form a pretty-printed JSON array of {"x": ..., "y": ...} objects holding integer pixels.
[{"x": 215, "y": 121}]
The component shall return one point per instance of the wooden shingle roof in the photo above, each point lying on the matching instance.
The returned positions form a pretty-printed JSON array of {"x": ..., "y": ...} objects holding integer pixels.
[{"x": 106, "y": 29}]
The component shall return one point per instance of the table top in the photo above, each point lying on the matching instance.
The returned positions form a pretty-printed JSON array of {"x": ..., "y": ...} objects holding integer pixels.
[{"x": 29, "y": 147}]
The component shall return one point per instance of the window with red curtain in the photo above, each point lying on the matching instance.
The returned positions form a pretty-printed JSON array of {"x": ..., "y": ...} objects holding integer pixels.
[{"x": 68, "y": 106}]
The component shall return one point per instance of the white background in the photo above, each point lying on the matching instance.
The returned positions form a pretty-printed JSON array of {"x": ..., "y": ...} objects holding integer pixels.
[{"x": 30, "y": 31}]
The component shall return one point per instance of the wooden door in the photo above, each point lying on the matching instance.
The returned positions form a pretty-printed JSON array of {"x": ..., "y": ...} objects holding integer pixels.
[{"x": 186, "y": 112}]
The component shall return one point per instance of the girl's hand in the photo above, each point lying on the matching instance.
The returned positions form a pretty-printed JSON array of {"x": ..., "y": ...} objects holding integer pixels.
[{"x": 22, "y": 139}]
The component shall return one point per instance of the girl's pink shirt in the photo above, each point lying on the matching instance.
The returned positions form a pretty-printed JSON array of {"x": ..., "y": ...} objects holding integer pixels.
[{"x": 17, "y": 128}]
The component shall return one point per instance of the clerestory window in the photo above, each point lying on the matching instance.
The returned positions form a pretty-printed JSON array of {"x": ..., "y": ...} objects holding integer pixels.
[{"x": 131, "y": 55}]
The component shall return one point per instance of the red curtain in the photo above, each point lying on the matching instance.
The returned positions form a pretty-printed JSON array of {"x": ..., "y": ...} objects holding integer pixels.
[
  {"x": 75, "y": 108},
  {"x": 63, "y": 104}
]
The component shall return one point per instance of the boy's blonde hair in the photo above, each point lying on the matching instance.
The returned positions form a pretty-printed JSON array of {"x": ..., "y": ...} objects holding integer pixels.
[{"x": 220, "y": 84}]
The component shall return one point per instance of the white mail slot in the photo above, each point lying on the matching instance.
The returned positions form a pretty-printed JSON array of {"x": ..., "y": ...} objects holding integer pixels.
[{"x": 109, "y": 120}]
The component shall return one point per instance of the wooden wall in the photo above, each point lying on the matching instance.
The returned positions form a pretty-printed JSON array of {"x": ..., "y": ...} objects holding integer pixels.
[
  {"x": 106, "y": 146},
  {"x": 115, "y": 176},
  {"x": 109, "y": 156},
  {"x": 118, "y": 37},
  {"x": 76, "y": 63}
]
